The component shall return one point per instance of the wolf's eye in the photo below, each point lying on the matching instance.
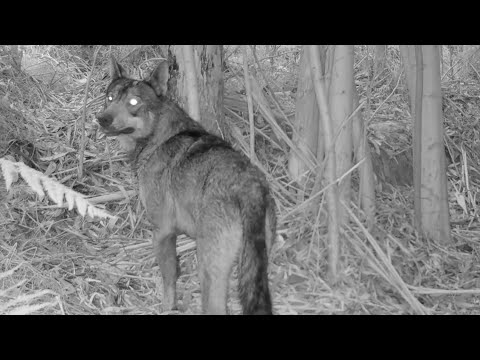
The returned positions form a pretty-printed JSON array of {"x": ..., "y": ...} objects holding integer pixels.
[
  {"x": 133, "y": 102},
  {"x": 110, "y": 98}
]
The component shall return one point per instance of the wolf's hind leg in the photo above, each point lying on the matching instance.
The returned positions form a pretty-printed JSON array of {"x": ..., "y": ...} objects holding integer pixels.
[{"x": 216, "y": 256}]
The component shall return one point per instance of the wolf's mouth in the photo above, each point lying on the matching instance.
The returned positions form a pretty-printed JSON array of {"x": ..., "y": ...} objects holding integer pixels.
[
  {"x": 114, "y": 132},
  {"x": 128, "y": 130}
]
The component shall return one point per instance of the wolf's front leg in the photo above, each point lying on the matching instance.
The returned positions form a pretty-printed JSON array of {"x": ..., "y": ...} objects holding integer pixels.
[{"x": 164, "y": 246}]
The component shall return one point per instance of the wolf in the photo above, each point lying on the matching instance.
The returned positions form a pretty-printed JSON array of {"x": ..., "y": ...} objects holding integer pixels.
[{"x": 193, "y": 182}]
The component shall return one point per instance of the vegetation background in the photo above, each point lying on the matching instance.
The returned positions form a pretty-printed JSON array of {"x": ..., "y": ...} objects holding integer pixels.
[{"x": 55, "y": 261}]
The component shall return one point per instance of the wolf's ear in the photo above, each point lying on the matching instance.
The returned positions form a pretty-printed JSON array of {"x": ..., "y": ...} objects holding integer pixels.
[
  {"x": 159, "y": 77},
  {"x": 116, "y": 70}
]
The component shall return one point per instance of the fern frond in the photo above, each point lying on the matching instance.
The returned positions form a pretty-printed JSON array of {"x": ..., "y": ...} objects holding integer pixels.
[
  {"x": 55, "y": 190},
  {"x": 9, "y": 172}
]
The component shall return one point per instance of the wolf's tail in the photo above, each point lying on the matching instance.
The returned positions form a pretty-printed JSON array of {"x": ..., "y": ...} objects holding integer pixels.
[{"x": 253, "y": 262}]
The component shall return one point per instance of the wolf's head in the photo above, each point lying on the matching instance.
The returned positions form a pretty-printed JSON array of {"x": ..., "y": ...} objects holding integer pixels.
[{"x": 130, "y": 104}]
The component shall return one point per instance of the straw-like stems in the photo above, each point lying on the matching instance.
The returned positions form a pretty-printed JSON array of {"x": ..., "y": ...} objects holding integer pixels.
[{"x": 381, "y": 263}]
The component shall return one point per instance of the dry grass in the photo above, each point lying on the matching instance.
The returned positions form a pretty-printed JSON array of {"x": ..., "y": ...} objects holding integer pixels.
[{"x": 53, "y": 261}]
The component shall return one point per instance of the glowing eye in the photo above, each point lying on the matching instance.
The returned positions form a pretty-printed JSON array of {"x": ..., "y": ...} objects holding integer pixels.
[
  {"x": 133, "y": 102},
  {"x": 110, "y": 98}
]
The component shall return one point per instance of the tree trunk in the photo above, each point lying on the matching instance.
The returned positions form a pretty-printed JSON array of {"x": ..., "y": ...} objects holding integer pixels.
[
  {"x": 435, "y": 214},
  {"x": 208, "y": 61},
  {"x": 340, "y": 105},
  {"x": 327, "y": 54},
  {"x": 362, "y": 151},
  {"x": 306, "y": 121},
  {"x": 326, "y": 63},
  {"x": 327, "y": 57},
  {"x": 332, "y": 194},
  {"x": 380, "y": 58},
  {"x": 417, "y": 139},
  {"x": 191, "y": 80},
  {"x": 408, "y": 57}
]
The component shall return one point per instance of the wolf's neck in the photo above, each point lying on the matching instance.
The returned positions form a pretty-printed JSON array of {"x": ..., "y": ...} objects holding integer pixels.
[
  {"x": 173, "y": 121},
  {"x": 170, "y": 120}
]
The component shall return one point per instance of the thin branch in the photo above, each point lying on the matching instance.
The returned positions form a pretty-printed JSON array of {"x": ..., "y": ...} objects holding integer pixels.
[
  {"x": 83, "y": 119},
  {"x": 250, "y": 104}
]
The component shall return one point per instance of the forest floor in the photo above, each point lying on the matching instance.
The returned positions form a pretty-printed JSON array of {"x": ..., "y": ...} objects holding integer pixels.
[{"x": 53, "y": 261}]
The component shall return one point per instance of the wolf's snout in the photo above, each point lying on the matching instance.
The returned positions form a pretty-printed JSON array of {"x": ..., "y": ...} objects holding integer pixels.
[{"x": 104, "y": 119}]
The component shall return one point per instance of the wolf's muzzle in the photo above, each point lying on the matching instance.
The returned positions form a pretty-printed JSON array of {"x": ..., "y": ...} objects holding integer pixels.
[{"x": 104, "y": 119}]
